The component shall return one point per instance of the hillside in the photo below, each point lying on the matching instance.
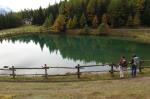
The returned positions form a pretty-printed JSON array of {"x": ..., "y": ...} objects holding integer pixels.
[{"x": 79, "y": 14}]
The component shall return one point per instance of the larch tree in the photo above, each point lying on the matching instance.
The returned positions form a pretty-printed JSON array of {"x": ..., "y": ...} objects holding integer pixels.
[
  {"x": 74, "y": 22},
  {"x": 69, "y": 24},
  {"x": 104, "y": 27},
  {"x": 91, "y": 11},
  {"x": 95, "y": 22},
  {"x": 136, "y": 20},
  {"x": 60, "y": 23}
]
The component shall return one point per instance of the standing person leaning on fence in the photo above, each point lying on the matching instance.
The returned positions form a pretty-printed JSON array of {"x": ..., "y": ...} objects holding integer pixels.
[
  {"x": 122, "y": 66},
  {"x": 134, "y": 64}
]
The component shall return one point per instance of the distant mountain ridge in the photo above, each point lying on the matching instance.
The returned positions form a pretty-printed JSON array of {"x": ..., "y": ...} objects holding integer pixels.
[{"x": 4, "y": 10}]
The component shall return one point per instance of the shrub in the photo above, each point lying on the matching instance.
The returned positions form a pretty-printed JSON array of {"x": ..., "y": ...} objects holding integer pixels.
[
  {"x": 86, "y": 30},
  {"x": 103, "y": 29}
]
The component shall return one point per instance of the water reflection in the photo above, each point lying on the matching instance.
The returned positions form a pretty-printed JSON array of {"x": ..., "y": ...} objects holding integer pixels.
[
  {"x": 35, "y": 50},
  {"x": 85, "y": 48}
]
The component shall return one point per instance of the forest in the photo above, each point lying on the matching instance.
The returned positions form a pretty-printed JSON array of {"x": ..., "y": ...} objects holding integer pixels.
[{"x": 75, "y": 14}]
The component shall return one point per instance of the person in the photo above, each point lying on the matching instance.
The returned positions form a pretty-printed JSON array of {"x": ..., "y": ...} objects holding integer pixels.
[
  {"x": 122, "y": 66},
  {"x": 134, "y": 64}
]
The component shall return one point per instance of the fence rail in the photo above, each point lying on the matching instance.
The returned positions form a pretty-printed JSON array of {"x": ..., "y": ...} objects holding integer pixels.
[{"x": 78, "y": 69}]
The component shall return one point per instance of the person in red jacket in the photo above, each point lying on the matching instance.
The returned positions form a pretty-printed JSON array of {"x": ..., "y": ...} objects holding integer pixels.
[{"x": 122, "y": 66}]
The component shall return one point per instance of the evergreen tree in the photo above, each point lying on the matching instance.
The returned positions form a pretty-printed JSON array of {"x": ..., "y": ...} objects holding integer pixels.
[
  {"x": 118, "y": 12},
  {"x": 78, "y": 7},
  {"x": 38, "y": 17},
  {"x": 78, "y": 13},
  {"x": 41, "y": 16},
  {"x": 53, "y": 9},
  {"x": 49, "y": 21},
  {"x": 130, "y": 21},
  {"x": 101, "y": 7},
  {"x": 132, "y": 7},
  {"x": 10, "y": 20},
  {"x": 83, "y": 21},
  {"x": 62, "y": 8},
  {"x": 65, "y": 8},
  {"x": 86, "y": 30},
  {"x": 146, "y": 13}
]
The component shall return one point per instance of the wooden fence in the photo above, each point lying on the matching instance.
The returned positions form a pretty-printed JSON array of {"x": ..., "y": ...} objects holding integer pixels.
[{"x": 78, "y": 69}]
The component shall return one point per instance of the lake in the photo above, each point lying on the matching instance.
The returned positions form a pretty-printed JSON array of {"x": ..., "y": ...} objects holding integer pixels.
[{"x": 60, "y": 50}]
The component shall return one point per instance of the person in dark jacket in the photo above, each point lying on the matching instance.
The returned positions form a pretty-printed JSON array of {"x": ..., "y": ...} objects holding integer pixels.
[{"x": 134, "y": 64}]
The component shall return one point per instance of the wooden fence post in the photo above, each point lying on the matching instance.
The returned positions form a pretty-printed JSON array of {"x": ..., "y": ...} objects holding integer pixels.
[
  {"x": 13, "y": 72},
  {"x": 140, "y": 66},
  {"x": 112, "y": 69},
  {"x": 46, "y": 74},
  {"x": 78, "y": 71}
]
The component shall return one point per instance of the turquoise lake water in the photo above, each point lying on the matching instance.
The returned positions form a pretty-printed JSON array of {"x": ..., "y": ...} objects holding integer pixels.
[{"x": 67, "y": 51}]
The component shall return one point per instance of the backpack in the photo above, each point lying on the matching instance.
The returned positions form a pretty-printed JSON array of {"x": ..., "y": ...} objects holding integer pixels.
[
  {"x": 136, "y": 60},
  {"x": 124, "y": 63}
]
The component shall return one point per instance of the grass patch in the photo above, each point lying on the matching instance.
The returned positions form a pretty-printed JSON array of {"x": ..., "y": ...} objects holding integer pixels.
[
  {"x": 132, "y": 88},
  {"x": 140, "y": 34},
  {"x": 19, "y": 31},
  {"x": 27, "y": 28},
  {"x": 72, "y": 78}
]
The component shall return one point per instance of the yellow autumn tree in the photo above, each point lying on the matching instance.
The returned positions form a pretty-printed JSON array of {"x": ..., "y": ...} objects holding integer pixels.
[
  {"x": 95, "y": 22},
  {"x": 59, "y": 23},
  {"x": 104, "y": 28}
]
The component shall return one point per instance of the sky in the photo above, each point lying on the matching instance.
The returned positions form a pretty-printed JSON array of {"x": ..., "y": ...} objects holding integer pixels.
[{"x": 17, "y": 5}]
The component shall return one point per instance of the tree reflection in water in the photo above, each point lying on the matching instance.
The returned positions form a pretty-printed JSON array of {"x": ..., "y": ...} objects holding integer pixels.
[{"x": 88, "y": 48}]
